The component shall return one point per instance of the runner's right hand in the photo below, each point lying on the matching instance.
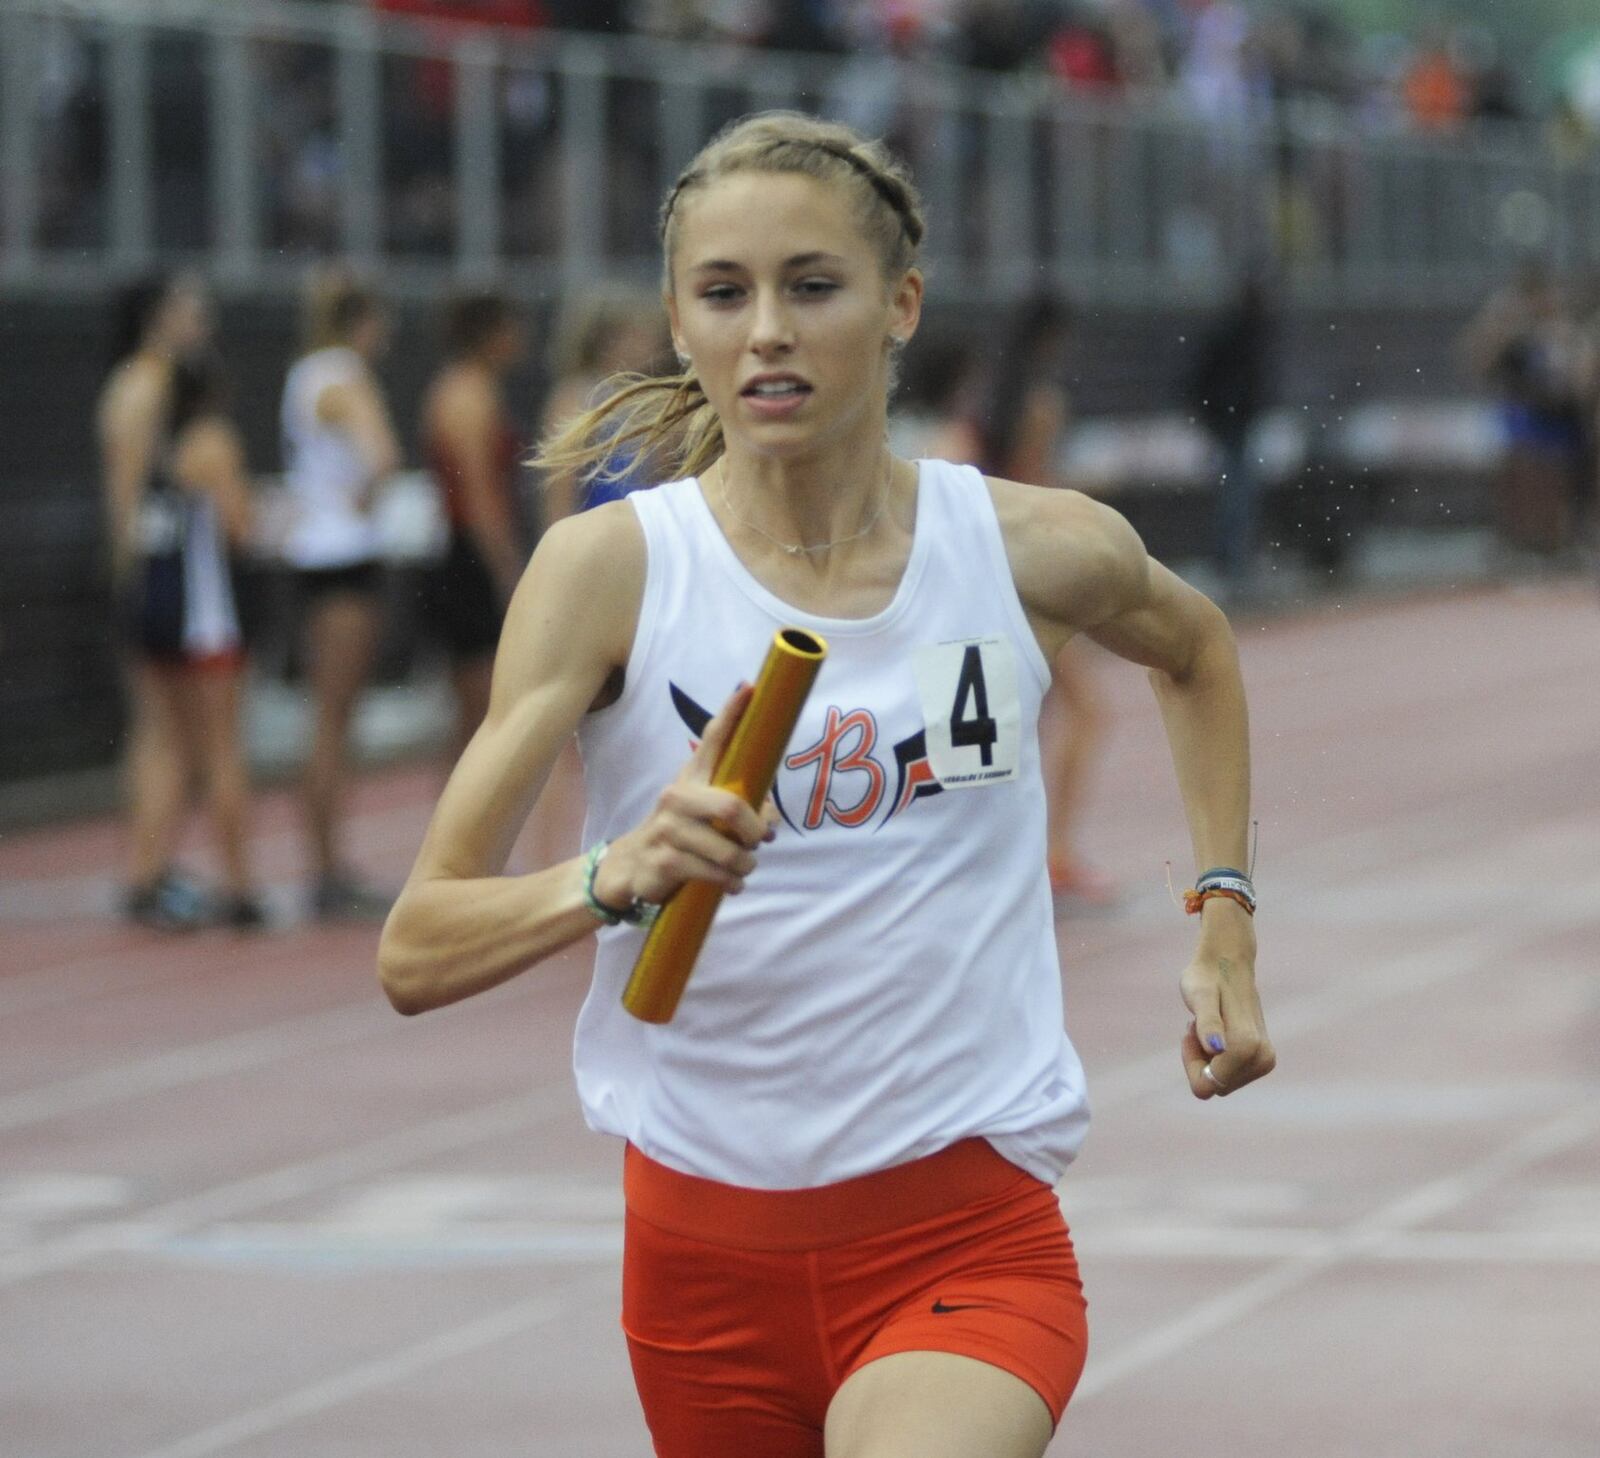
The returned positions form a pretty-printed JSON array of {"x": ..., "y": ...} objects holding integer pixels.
[{"x": 695, "y": 833}]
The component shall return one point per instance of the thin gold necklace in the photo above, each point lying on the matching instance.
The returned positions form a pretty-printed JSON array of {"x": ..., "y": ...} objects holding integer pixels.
[{"x": 801, "y": 549}]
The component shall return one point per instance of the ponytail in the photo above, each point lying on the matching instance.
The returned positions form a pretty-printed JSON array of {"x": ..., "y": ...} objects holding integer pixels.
[{"x": 665, "y": 419}]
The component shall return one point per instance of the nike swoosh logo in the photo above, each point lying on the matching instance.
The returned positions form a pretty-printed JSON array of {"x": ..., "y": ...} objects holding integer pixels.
[{"x": 939, "y": 1308}]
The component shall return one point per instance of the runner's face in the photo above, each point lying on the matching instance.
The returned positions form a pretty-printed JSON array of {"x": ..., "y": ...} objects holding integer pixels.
[{"x": 781, "y": 304}]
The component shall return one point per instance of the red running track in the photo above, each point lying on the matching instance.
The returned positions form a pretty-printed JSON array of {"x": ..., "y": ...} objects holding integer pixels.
[{"x": 247, "y": 1210}]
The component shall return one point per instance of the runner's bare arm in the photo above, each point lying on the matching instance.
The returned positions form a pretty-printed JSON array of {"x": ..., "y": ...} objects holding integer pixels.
[
  {"x": 1080, "y": 567},
  {"x": 460, "y": 926}
]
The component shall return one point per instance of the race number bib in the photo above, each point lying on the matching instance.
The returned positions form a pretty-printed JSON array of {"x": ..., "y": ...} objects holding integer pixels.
[{"x": 970, "y": 710}]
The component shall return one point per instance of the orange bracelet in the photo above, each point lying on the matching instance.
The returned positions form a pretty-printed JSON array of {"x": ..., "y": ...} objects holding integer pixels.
[{"x": 1193, "y": 900}]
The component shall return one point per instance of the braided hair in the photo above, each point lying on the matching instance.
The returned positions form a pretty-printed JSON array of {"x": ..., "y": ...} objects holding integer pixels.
[{"x": 667, "y": 418}]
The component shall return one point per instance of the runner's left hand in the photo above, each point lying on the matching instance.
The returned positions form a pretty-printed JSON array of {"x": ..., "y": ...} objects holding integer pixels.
[{"x": 1227, "y": 1032}]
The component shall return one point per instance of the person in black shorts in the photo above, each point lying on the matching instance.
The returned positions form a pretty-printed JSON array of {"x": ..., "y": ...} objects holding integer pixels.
[
  {"x": 180, "y": 632},
  {"x": 178, "y": 648},
  {"x": 473, "y": 450}
]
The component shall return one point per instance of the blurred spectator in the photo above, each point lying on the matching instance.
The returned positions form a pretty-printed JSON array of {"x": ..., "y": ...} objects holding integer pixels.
[
  {"x": 606, "y": 333},
  {"x": 1082, "y": 55},
  {"x": 1139, "y": 53},
  {"x": 173, "y": 480},
  {"x": 1527, "y": 346},
  {"x": 1221, "y": 74},
  {"x": 474, "y": 452},
  {"x": 1496, "y": 98},
  {"x": 196, "y": 639},
  {"x": 339, "y": 447},
  {"x": 1437, "y": 90},
  {"x": 305, "y": 172},
  {"x": 1230, "y": 389}
]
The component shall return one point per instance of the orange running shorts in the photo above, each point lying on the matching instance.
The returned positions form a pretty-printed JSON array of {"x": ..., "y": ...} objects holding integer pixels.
[{"x": 746, "y": 1309}]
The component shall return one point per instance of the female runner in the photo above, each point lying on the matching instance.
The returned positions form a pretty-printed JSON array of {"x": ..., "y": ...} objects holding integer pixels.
[{"x": 842, "y": 1236}]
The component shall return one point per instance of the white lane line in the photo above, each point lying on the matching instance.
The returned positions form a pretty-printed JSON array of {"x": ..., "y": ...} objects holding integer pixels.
[
  {"x": 1371, "y": 1233},
  {"x": 409, "y": 1145},
  {"x": 370, "y": 1376},
  {"x": 195, "y": 1062}
]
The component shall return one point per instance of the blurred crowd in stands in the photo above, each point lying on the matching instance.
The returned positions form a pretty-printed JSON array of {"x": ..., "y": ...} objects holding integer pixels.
[
  {"x": 1227, "y": 63},
  {"x": 1223, "y": 56}
]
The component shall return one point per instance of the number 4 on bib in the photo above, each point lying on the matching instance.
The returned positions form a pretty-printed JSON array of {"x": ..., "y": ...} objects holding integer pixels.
[{"x": 970, "y": 710}]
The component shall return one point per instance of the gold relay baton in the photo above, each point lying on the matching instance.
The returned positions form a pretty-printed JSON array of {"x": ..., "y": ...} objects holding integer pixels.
[{"x": 747, "y": 767}]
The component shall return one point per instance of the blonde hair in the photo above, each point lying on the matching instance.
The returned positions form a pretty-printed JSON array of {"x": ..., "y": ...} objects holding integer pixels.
[
  {"x": 668, "y": 417},
  {"x": 335, "y": 303}
]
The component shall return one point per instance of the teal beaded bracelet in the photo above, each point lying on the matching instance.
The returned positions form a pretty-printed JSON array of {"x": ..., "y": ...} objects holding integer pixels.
[{"x": 636, "y": 913}]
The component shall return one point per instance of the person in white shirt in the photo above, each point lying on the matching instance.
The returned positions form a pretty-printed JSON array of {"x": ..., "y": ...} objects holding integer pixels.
[
  {"x": 842, "y": 1234},
  {"x": 338, "y": 445}
]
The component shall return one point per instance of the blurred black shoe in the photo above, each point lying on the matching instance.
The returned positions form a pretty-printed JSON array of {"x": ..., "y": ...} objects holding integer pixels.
[
  {"x": 341, "y": 897},
  {"x": 171, "y": 903},
  {"x": 245, "y": 914}
]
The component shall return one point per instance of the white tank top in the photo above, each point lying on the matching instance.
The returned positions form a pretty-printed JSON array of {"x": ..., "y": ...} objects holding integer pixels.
[
  {"x": 323, "y": 469},
  {"x": 888, "y": 981}
]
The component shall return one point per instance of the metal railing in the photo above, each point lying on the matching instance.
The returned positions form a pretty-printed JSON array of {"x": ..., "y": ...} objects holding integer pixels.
[{"x": 247, "y": 138}]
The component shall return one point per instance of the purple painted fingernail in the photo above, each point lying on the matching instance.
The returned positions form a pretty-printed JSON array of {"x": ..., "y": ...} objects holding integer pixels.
[{"x": 1215, "y": 1043}]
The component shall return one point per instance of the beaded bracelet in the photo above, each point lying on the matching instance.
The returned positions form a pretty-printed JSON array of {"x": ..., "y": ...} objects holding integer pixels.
[
  {"x": 1221, "y": 881},
  {"x": 637, "y": 912}
]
